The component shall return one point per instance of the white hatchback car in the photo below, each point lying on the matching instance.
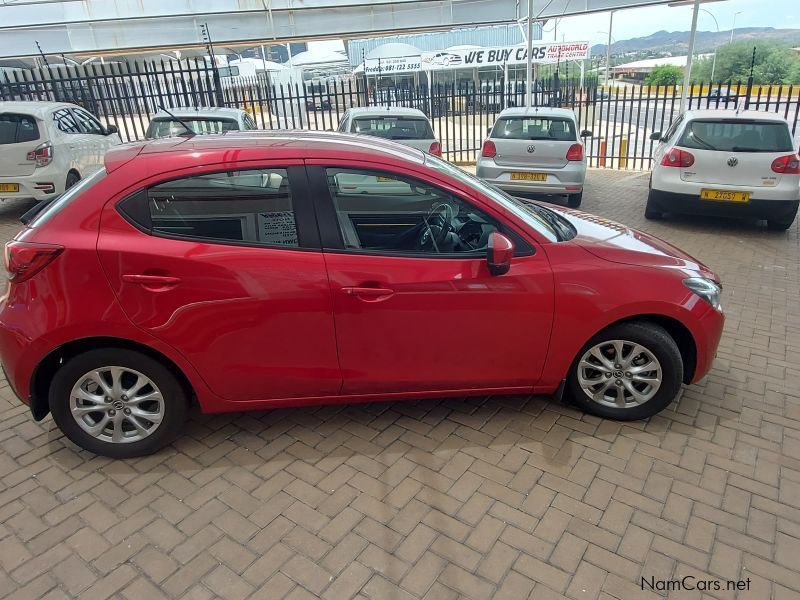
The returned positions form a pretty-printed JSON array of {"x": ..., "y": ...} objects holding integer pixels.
[
  {"x": 47, "y": 147},
  {"x": 407, "y": 126},
  {"x": 726, "y": 163},
  {"x": 535, "y": 150},
  {"x": 199, "y": 120}
]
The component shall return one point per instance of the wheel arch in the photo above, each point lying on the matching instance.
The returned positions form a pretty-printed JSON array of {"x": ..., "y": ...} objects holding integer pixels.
[{"x": 46, "y": 369}]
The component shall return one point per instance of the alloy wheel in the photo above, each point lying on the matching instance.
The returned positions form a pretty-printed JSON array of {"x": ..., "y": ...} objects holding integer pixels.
[{"x": 619, "y": 374}]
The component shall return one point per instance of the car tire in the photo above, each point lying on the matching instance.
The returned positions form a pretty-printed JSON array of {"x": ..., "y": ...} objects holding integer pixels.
[
  {"x": 651, "y": 211},
  {"x": 75, "y": 388},
  {"x": 574, "y": 200},
  {"x": 72, "y": 179},
  {"x": 775, "y": 225},
  {"x": 655, "y": 343}
]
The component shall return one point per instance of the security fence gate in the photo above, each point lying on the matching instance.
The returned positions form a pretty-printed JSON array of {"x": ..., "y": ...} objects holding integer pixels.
[{"x": 620, "y": 120}]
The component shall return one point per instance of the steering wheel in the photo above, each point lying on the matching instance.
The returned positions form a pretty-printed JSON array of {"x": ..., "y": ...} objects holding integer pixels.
[{"x": 435, "y": 235}]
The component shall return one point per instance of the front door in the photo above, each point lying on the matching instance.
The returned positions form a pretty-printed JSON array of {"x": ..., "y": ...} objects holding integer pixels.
[
  {"x": 226, "y": 268},
  {"x": 416, "y": 308}
]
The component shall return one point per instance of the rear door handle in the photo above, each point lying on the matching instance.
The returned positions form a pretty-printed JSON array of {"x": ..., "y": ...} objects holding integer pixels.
[
  {"x": 151, "y": 280},
  {"x": 371, "y": 293}
]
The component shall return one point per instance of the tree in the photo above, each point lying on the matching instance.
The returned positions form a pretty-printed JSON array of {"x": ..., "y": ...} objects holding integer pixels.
[
  {"x": 664, "y": 75},
  {"x": 774, "y": 63}
]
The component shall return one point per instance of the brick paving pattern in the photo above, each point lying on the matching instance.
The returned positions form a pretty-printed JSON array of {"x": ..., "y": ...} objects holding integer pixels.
[{"x": 480, "y": 498}]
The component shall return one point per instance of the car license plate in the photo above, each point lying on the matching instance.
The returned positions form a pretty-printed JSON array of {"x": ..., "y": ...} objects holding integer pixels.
[
  {"x": 724, "y": 196},
  {"x": 529, "y": 177},
  {"x": 9, "y": 187},
  {"x": 386, "y": 178}
]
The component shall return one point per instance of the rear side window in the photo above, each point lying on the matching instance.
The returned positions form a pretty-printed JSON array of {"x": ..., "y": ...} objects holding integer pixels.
[
  {"x": 393, "y": 128},
  {"x": 166, "y": 127},
  {"x": 535, "y": 128},
  {"x": 729, "y": 135},
  {"x": 253, "y": 207},
  {"x": 15, "y": 129}
]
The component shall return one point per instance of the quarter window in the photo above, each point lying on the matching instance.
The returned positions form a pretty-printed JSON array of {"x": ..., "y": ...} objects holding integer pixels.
[
  {"x": 252, "y": 207},
  {"x": 386, "y": 213},
  {"x": 672, "y": 129},
  {"x": 65, "y": 121}
]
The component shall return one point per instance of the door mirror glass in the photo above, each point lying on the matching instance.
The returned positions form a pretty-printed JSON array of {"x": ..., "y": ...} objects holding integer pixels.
[
  {"x": 656, "y": 135},
  {"x": 112, "y": 129},
  {"x": 500, "y": 253},
  {"x": 586, "y": 133}
]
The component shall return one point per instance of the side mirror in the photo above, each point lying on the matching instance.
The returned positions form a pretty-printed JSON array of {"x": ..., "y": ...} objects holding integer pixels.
[
  {"x": 656, "y": 135},
  {"x": 112, "y": 129},
  {"x": 586, "y": 133},
  {"x": 501, "y": 251}
]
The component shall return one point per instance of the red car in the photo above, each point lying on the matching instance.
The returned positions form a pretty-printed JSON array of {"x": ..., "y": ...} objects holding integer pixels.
[{"x": 249, "y": 271}]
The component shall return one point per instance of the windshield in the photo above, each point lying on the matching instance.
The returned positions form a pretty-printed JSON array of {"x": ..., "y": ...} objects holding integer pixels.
[
  {"x": 49, "y": 208},
  {"x": 168, "y": 127},
  {"x": 393, "y": 128},
  {"x": 737, "y": 135},
  {"x": 537, "y": 217},
  {"x": 535, "y": 128}
]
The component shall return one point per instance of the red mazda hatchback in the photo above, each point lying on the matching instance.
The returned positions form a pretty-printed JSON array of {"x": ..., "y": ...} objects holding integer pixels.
[{"x": 257, "y": 270}]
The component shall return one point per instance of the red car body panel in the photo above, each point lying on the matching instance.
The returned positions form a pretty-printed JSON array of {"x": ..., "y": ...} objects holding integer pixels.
[{"x": 255, "y": 328}]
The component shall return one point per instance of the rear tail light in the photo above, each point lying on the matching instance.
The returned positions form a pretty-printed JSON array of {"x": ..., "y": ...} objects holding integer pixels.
[
  {"x": 489, "y": 150},
  {"x": 42, "y": 154},
  {"x": 677, "y": 158},
  {"x": 435, "y": 149},
  {"x": 575, "y": 152},
  {"x": 25, "y": 259},
  {"x": 788, "y": 165}
]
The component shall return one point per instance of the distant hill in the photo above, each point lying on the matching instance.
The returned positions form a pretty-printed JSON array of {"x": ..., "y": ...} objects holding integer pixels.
[{"x": 677, "y": 42}]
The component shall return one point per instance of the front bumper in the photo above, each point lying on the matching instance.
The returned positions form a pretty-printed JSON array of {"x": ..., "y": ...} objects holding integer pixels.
[{"x": 692, "y": 204}]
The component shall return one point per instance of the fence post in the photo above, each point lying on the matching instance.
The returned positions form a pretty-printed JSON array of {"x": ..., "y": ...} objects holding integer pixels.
[
  {"x": 601, "y": 160},
  {"x": 622, "y": 161}
]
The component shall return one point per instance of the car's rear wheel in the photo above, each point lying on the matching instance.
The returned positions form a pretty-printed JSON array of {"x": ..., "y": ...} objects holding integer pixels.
[
  {"x": 72, "y": 179},
  {"x": 628, "y": 371},
  {"x": 651, "y": 210},
  {"x": 118, "y": 403},
  {"x": 778, "y": 225},
  {"x": 574, "y": 200}
]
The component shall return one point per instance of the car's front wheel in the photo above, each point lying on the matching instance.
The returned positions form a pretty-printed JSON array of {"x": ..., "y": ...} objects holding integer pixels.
[
  {"x": 628, "y": 371},
  {"x": 117, "y": 402}
]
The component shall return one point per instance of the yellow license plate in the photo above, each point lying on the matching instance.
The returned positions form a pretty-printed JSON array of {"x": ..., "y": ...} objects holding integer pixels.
[
  {"x": 529, "y": 177},
  {"x": 724, "y": 196},
  {"x": 386, "y": 179},
  {"x": 9, "y": 187}
]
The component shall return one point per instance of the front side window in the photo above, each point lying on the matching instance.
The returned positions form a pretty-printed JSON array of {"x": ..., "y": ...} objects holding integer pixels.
[
  {"x": 535, "y": 128},
  {"x": 739, "y": 135},
  {"x": 88, "y": 123},
  {"x": 65, "y": 121},
  {"x": 393, "y": 128},
  {"x": 250, "y": 207},
  {"x": 387, "y": 213},
  {"x": 16, "y": 129}
]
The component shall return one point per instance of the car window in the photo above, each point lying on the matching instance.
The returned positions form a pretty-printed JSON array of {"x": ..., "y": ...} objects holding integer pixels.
[
  {"x": 535, "y": 128},
  {"x": 168, "y": 127},
  {"x": 736, "y": 135},
  {"x": 382, "y": 212},
  {"x": 249, "y": 123},
  {"x": 253, "y": 207},
  {"x": 342, "y": 123},
  {"x": 88, "y": 123},
  {"x": 65, "y": 121},
  {"x": 393, "y": 128},
  {"x": 15, "y": 129},
  {"x": 671, "y": 129}
]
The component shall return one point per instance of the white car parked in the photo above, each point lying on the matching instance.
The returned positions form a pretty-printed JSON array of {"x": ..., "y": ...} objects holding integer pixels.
[
  {"x": 535, "y": 150},
  {"x": 407, "y": 126},
  {"x": 47, "y": 147},
  {"x": 726, "y": 163},
  {"x": 199, "y": 120}
]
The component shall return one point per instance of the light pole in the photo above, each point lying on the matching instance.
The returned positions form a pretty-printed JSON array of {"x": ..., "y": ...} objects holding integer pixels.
[
  {"x": 529, "y": 61},
  {"x": 733, "y": 28},
  {"x": 714, "y": 61},
  {"x": 608, "y": 52}
]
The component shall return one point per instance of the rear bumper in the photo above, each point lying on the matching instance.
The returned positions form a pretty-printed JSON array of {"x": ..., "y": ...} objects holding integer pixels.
[
  {"x": 27, "y": 186},
  {"x": 566, "y": 180},
  {"x": 692, "y": 204}
]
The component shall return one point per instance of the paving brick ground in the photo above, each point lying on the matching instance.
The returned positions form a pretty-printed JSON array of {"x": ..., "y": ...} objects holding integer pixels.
[{"x": 480, "y": 498}]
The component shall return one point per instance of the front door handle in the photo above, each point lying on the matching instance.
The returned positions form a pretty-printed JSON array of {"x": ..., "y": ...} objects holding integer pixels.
[
  {"x": 151, "y": 280},
  {"x": 368, "y": 293}
]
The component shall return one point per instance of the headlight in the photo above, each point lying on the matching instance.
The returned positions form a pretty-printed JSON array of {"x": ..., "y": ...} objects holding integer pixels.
[{"x": 706, "y": 289}]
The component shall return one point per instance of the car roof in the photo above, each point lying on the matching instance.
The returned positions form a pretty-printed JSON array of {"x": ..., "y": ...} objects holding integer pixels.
[
  {"x": 389, "y": 111},
  {"x": 534, "y": 111},
  {"x": 35, "y": 108},
  {"x": 202, "y": 112},
  {"x": 261, "y": 145},
  {"x": 719, "y": 113}
]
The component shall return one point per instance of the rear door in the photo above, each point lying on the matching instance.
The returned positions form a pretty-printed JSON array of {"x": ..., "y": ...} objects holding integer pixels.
[
  {"x": 75, "y": 141},
  {"x": 96, "y": 142},
  {"x": 19, "y": 135},
  {"x": 225, "y": 267},
  {"x": 734, "y": 152},
  {"x": 533, "y": 141}
]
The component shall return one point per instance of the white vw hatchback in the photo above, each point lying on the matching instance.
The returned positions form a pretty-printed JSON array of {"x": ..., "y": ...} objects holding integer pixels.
[
  {"x": 47, "y": 147},
  {"x": 726, "y": 163}
]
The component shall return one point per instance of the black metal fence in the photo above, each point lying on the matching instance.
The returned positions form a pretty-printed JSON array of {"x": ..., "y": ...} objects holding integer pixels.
[{"x": 620, "y": 120}]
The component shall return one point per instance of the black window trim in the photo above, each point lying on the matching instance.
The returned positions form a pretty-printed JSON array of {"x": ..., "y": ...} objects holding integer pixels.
[
  {"x": 138, "y": 213},
  {"x": 330, "y": 234}
]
